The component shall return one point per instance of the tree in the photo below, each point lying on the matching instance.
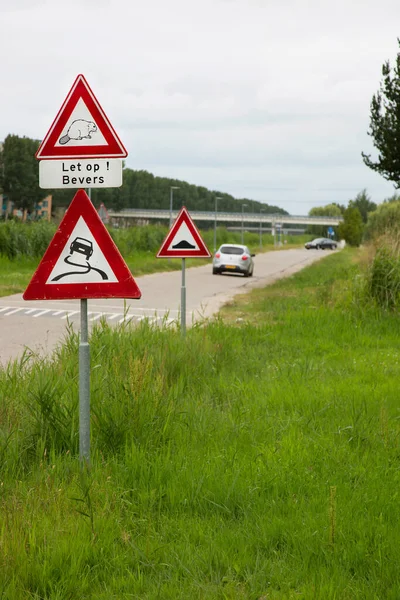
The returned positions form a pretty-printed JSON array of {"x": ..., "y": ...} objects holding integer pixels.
[
  {"x": 364, "y": 205},
  {"x": 394, "y": 198},
  {"x": 330, "y": 210},
  {"x": 385, "y": 124},
  {"x": 341, "y": 207},
  {"x": 351, "y": 228},
  {"x": 21, "y": 171}
]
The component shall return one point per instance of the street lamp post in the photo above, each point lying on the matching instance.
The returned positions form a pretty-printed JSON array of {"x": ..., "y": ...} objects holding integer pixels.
[
  {"x": 172, "y": 188},
  {"x": 215, "y": 223},
  {"x": 261, "y": 210},
  {"x": 243, "y": 205},
  {"x": 279, "y": 234}
]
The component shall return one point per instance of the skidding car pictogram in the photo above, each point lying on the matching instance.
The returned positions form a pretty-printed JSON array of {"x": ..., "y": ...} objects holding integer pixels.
[{"x": 82, "y": 246}]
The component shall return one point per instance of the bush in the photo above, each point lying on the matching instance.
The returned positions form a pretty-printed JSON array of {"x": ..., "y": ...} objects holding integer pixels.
[
  {"x": 382, "y": 279},
  {"x": 351, "y": 228},
  {"x": 386, "y": 218}
]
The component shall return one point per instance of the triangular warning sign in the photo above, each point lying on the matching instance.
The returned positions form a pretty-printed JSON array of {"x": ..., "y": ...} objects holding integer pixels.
[
  {"x": 82, "y": 260},
  {"x": 183, "y": 240},
  {"x": 81, "y": 129}
]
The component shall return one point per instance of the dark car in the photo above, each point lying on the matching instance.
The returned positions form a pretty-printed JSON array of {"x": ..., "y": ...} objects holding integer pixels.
[
  {"x": 321, "y": 244},
  {"x": 82, "y": 246}
]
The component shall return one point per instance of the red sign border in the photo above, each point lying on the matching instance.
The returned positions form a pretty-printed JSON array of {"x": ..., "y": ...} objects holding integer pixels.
[
  {"x": 48, "y": 149},
  {"x": 183, "y": 217},
  {"x": 125, "y": 287}
]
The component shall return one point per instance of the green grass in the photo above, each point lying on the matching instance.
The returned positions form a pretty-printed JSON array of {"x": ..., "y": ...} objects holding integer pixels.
[
  {"x": 16, "y": 274},
  {"x": 257, "y": 458}
]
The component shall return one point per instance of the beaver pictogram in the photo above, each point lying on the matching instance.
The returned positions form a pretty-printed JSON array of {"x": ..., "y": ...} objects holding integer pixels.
[{"x": 79, "y": 129}]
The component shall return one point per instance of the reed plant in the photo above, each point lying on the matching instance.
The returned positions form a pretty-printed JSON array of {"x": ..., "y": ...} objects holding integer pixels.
[
  {"x": 24, "y": 239},
  {"x": 378, "y": 283},
  {"x": 383, "y": 275}
]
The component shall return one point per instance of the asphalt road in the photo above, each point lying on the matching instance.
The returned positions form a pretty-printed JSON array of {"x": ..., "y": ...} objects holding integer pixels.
[{"x": 38, "y": 326}]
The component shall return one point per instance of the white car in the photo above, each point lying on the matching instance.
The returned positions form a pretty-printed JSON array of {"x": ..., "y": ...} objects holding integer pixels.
[{"x": 233, "y": 258}]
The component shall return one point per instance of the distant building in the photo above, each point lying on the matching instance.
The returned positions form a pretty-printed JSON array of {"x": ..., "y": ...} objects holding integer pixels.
[
  {"x": 41, "y": 212},
  {"x": 5, "y": 206},
  {"x": 43, "y": 209},
  {"x": 17, "y": 212}
]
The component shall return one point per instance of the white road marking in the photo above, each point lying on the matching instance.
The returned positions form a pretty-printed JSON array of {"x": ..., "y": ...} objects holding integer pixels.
[
  {"x": 12, "y": 312},
  {"x": 69, "y": 314},
  {"x": 42, "y": 312},
  {"x": 96, "y": 317},
  {"x": 125, "y": 319},
  {"x": 151, "y": 315}
]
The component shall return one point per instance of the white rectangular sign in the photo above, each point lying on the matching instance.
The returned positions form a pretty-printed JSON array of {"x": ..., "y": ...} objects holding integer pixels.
[{"x": 80, "y": 173}]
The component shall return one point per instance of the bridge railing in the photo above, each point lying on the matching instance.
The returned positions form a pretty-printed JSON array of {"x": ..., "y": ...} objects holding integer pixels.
[{"x": 275, "y": 220}]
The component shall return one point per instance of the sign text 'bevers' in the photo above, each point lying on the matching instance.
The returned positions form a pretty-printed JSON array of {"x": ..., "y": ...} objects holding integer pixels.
[{"x": 56, "y": 174}]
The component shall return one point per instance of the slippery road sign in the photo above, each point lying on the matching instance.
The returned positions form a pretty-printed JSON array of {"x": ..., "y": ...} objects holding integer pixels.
[{"x": 82, "y": 260}]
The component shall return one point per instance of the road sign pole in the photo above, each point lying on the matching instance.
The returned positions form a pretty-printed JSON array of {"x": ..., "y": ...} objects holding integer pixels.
[
  {"x": 183, "y": 241},
  {"x": 84, "y": 387},
  {"x": 183, "y": 300},
  {"x": 79, "y": 164}
]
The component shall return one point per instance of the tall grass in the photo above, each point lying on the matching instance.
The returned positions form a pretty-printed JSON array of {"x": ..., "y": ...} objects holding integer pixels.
[
  {"x": 379, "y": 284},
  {"x": 254, "y": 460},
  {"x": 24, "y": 239}
]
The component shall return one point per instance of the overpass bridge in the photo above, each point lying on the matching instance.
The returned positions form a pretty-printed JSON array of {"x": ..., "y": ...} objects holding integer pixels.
[{"x": 128, "y": 216}]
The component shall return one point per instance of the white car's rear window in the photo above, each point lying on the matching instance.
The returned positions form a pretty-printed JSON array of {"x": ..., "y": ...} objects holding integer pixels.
[{"x": 231, "y": 250}]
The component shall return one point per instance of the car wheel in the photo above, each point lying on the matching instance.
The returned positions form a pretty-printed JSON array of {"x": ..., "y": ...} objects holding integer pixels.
[
  {"x": 215, "y": 271},
  {"x": 251, "y": 273}
]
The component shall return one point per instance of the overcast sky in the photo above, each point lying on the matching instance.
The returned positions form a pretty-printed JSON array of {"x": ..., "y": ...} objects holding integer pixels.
[{"x": 264, "y": 99}]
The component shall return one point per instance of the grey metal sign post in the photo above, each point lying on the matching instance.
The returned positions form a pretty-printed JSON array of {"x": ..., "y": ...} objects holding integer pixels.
[
  {"x": 84, "y": 386},
  {"x": 84, "y": 381},
  {"x": 183, "y": 300}
]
